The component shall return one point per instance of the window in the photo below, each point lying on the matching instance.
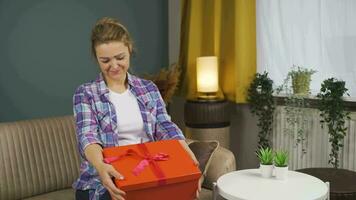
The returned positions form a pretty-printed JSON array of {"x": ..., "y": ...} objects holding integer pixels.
[{"x": 315, "y": 34}]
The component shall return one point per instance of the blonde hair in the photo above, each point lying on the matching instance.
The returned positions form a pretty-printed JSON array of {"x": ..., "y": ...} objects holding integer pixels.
[{"x": 107, "y": 30}]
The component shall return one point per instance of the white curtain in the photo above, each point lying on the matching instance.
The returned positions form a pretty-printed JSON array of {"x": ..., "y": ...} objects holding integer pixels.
[{"x": 316, "y": 34}]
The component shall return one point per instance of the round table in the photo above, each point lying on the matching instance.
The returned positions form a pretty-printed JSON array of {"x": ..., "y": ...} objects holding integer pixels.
[
  {"x": 342, "y": 181},
  {"x": 250, "y": 185}
]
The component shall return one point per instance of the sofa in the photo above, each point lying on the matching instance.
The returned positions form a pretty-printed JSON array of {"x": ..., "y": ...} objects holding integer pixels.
[{"x": 39, "y": 160}]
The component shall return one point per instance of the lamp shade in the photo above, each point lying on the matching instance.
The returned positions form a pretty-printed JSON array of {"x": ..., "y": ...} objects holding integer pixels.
[{"x": 207, "y": 74}]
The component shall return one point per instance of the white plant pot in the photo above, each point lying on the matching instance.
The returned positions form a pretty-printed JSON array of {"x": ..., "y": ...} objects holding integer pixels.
[
  {"x": 266, "y": 170},
  {"x": 281, "y": 173}
]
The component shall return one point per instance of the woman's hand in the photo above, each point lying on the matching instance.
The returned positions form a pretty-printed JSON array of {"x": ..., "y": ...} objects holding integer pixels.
[
  {"x": 93, "y": 153},
  {"x": 201, "y": 178},
  {"x": 199, "y": 186},
  {"x": 107, "y": 171},
  {"x": 186, "y": 147}
]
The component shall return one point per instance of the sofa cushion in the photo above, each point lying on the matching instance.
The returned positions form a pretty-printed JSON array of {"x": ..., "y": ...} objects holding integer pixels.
[
  {"x": 67, "y": 194},
  {"x": 222, "y": 162},
  {"x": 37, "y": 156},
  {"x": 203, "y": 151}
]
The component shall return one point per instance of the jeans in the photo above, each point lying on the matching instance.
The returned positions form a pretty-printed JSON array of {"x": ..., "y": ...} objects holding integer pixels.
[{"x": 84, "y": 195}]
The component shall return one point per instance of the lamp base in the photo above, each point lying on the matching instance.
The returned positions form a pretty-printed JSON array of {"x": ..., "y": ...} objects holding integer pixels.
[{"x": 208, "y": 96}]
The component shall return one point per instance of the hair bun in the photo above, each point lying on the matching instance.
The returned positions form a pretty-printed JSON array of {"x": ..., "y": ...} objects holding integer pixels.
[
  {"x": 108, "y": 21},
  {"x": 109, "y": 29}
]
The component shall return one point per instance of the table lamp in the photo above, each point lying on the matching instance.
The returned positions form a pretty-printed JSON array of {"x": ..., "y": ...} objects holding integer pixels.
[{"x": 207, "y": 77}]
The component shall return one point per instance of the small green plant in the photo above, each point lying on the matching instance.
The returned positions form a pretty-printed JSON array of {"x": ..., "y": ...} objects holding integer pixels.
[
  {"x": 297, "y": 81},
  {"x": 333, "y": 114},
  {"x": 296, "y": 105},
  {"x": 301, "y": 78},
  {"x": 265, "y": 155},
  {"x": 281, "y": 158},
  {"x": 296, "y": 120},
  {"x": 261, "y": 102}
]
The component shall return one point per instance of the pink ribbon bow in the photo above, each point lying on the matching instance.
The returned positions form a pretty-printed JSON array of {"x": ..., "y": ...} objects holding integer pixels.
[{"x": 147, "y": 160}]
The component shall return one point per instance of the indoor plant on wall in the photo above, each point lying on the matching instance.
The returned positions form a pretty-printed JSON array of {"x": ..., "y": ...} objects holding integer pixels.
[
  {"x": 265, "y": 155},
  {"x": 295, "y": 89},
  {"x": 301, "y": 78},
  {"x": 297, "y": 81},
  {"x": 262, "y": 105},
  {"x": 296, "y": 120},
  {"x": 281, "y": 164},
  {"x": 333, "y": 114}
]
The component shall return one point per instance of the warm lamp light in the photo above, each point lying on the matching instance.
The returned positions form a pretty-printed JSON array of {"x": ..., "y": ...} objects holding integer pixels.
[{"x": 207, "y": 76}]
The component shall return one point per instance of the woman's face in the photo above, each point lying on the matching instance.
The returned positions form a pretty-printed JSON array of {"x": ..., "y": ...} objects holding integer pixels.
[{"x": 113, "y": 59}]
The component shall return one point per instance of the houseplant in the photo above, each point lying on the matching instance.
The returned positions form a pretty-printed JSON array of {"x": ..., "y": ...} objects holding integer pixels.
[
  {"x": 262, "y": 105},
  {"x": 296, "y": 120},
  {"x": 265, "y": 155},
  {"x": 295, "y": 89},
  {"x": 281, "y": 164},
  {"x": 301, "y": 78},
  {"x": 167, "y": 80},
  {"x": 333, "y": 114}
]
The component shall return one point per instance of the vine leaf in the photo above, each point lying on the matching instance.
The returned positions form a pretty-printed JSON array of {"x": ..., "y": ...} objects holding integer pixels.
[{"x": 332, "y": 113}]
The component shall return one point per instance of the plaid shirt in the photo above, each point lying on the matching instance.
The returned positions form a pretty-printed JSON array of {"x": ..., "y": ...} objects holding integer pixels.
[{"x": 96, "y": 122}]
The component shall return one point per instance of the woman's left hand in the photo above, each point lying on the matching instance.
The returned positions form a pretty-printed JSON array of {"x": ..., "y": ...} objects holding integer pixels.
[
  {"x": 201, "y": 178},
  {"x": 186, "y": 147},
  {"x": 199, "y": 186}
]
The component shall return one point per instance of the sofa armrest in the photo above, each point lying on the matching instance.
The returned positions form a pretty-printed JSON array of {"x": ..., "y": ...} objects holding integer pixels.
[{"x": 222, "y": 162}]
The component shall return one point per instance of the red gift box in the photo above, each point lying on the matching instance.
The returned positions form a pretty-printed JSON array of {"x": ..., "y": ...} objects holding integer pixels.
[{"x": 154, "y": 170}]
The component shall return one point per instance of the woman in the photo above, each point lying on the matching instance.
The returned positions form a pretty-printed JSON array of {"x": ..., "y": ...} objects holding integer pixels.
[{"x": 115, "y": 109}]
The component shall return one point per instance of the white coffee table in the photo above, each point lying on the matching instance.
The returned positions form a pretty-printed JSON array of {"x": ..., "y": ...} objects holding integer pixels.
[{"x": 250, "y": 185}]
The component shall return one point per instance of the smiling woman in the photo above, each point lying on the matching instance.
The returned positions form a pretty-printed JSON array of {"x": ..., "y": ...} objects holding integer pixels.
[
  {"x": 114, "y": 61},
  {"x": 114, "y": 110}
]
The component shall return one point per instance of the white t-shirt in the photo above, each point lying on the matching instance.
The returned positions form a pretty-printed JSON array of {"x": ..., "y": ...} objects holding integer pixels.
[{"x": 129, "y": 118}]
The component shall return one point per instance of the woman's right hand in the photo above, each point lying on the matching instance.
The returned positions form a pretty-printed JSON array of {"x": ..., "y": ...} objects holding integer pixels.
[
  {"x": 106, "y": 172},
  {"x": 93, "y": 153}
]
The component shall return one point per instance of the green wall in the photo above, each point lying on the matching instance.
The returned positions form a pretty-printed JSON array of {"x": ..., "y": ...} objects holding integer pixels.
[{"x": 45, "y": 49}]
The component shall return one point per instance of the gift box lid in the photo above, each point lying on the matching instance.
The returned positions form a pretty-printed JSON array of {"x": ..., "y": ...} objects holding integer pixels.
[{"x": 179, "y": 166}]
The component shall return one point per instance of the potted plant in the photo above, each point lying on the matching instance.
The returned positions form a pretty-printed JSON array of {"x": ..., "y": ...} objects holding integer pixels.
[
  {"x": 301, "y": 78},
  {"x": 333, "y": 114},
  {"x": 261, "y": 102},
  {"x": 295, "y": 88},
  {"x": 167, "y": 80},
  {"x": 265, "y": 155},
  {"x": 281, "y": 164},
  {"x": 296, "y": 113}
]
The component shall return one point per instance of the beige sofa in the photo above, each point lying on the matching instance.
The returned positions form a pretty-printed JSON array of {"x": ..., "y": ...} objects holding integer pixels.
[{"x": 39, "y": 160}]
